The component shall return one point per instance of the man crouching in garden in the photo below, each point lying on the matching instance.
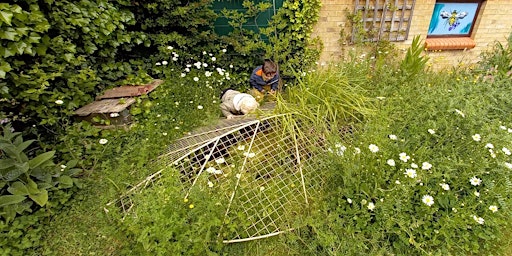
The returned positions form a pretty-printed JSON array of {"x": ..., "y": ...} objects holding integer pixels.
[{"x": 235, "y": 103}]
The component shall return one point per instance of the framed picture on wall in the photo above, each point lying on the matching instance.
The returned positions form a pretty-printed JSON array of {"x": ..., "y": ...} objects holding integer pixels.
[{"x": 453, "y": 18}]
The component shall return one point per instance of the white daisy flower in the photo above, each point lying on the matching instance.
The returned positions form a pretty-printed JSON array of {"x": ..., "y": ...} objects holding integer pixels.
[
  {"x": 489, "y": 145},
  {"x": 445, "y": 186},
  {"x": 493, "y": 208},
  {"x": 220, "y": 160},
  {"x": 506, "y": 151},
  {"x": 349, "y": 200},
  {"x": 392, "y": 137},
  {"x": 371, "y": 206},
  {"x": 428, "y": 200},
  {"x": 59, "y": 102},
  {"x": 391, "y": 162},
  {"x": 426, "y": 166},
  {"x": 103, "y": 141},
  {"x": 479, "y": 220},
  {"x": 493, "y": 155},
  {"x": 373, "y": 148},
  {"x": 411, "y": 173},
  {"x": 404, "y": 157},
  {"x": 431, "y": 131},
  {"x": 476, "y": 137},
  {"x": 475, "y": 181},
  {"x": 249, "y": 154}
]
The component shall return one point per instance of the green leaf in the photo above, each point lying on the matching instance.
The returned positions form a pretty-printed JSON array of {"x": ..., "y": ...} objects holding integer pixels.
[
  {"x": 10, "y": 150},
  {"x": 72, "y": 163},
  {"x": 68, "y": 57},
  {"x": 6, "y": 17},
  {"x": 6, "y": 163},
  {"x": 18, "y": 170},
  {"x": 41, "y": 159},
  {"x": 18, "y": 188},
  {"x": 41, "y": 198},
  {"x": 5, "y": 52},
  {"x": 8, "y": 213},
  {"x": 11, "y": 199},
  {"x": 65, "y": 181},
  {"x": 24, "y": 145},
  {"x": 8, "y": 35},
  {"x": 32, "y": 187}
]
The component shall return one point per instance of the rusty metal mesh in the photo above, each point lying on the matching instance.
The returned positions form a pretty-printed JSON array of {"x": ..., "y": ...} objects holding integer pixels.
[{"x": 264, "y": 170}]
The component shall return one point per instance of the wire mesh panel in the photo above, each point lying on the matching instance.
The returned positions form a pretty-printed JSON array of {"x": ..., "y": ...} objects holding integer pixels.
[
  {"x": 385, "y": 19},
  {"x": 264, "y": 171}
]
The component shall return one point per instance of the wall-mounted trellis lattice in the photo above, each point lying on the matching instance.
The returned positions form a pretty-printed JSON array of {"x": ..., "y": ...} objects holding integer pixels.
[
  {"x": 385, "y": 19},
  {"x": 263, "y": 169}
]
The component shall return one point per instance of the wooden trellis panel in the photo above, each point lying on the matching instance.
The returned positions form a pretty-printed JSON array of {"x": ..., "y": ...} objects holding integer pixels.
[{"x": 385, "y": 19}]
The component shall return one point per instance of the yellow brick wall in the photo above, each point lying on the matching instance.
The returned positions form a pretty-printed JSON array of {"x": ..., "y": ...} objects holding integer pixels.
[{"x": 494, "y": 23}]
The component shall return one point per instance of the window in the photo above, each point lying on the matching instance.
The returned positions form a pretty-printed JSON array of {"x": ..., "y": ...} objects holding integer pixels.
[
  {"x": 452, "y": 24},
  {"x": 454, "y": 19}
]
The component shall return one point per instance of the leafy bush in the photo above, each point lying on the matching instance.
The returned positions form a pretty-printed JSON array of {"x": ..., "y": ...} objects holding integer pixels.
[
  {"x": 29, "y": 189},
  {"x": 26, "y": 181}
]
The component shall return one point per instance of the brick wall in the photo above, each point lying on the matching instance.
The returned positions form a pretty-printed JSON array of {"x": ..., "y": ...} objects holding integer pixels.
[{"x": 494, "y": 23}]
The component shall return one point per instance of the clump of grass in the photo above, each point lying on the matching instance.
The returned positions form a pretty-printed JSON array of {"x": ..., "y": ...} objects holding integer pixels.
[{"x": 327, "y": 97}]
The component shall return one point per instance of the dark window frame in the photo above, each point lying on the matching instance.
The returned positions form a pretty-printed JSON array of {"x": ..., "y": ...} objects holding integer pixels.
[{"x": 477, "y": 14}]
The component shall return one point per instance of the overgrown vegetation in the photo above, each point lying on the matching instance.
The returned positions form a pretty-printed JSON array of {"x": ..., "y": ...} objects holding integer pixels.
[{"x": 416, "y": 162}]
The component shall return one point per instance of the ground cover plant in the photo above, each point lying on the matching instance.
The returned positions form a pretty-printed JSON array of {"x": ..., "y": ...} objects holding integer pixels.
[
  {"x": 417, "y": 162},
  {"x": 426, "y": 172}
]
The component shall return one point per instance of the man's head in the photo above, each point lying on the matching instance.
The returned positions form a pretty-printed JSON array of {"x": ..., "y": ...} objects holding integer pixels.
[
  {"x": 248, "y": 105},
  {"x": 269, "y": 69}
]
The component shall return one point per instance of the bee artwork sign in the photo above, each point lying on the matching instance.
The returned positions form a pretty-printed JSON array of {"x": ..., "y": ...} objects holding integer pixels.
[{"x": 453, "y": 19}]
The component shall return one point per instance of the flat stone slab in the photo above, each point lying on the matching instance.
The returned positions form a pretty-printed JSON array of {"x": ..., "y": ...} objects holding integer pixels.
[
  {"x": 130, "y": 90},
  {"x": 105, "y": 106}
]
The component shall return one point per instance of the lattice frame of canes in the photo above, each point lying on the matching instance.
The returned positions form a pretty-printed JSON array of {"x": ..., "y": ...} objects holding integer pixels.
[{"x": 264, "y": 171}]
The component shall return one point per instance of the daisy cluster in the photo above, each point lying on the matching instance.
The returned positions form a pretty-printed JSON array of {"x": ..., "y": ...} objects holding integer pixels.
[
  {"x": 414, "y": 172},
  {"x": 202, "y": 70}
]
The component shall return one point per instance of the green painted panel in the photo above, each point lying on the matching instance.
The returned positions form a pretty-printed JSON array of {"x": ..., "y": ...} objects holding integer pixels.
[{"x": 221, "y": 24}]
